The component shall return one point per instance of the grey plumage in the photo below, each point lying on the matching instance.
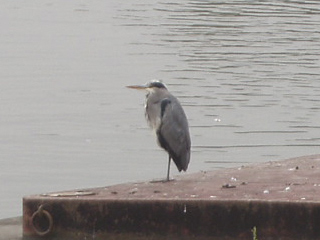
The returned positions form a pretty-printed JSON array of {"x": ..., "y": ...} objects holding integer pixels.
[{"x": 167, "y": 118}]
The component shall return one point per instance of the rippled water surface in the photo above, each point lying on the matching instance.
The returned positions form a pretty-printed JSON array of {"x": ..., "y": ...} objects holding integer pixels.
[{"x": 246, "y": 72}]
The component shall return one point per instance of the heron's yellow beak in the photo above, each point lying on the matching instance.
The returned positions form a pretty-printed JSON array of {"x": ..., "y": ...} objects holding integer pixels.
[{"x": 138, "y": 87}]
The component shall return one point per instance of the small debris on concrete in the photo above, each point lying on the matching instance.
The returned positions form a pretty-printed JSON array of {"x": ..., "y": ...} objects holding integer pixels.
[
  {"x": 133, "y": 191},
  {"x": 233, "y": 179},
  {"x": 228, "y": 186},
  {"x": 287, "y": 189}
]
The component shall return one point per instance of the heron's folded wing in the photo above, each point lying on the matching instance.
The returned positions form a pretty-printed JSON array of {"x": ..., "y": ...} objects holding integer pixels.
[{"x": 173, "y": 134}]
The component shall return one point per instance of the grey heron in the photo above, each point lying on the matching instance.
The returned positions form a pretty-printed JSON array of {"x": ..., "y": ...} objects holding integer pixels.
[{"x": 167, "y": 118}]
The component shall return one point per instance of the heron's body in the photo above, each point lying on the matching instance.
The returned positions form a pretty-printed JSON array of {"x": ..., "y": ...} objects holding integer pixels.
[{"x": 167, "y": 118}]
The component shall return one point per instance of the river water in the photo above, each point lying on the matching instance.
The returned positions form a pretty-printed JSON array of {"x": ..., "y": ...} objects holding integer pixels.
[{"x": 246, "y": 72}]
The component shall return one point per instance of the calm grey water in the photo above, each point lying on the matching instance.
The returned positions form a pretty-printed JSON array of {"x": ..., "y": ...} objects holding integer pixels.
[{"x": 247, "y": 73}]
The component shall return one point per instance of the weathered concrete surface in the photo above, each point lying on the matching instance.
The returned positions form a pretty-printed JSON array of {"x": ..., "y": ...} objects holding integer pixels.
[{"x": 282, "y": 199}]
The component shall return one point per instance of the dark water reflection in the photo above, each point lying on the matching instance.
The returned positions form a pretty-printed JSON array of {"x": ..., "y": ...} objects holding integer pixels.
[{"x": 247, "y": 73}]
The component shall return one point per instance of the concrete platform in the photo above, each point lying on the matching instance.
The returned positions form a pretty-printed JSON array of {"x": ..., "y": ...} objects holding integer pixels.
[{"x": 281, "y": 199}]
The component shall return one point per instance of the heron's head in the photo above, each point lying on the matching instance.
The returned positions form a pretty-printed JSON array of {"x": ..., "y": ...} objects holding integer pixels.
[{"x": 150, "y": 86}]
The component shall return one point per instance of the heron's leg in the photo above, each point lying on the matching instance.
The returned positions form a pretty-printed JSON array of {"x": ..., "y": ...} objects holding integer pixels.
[{"x": 168, "y": 173}]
